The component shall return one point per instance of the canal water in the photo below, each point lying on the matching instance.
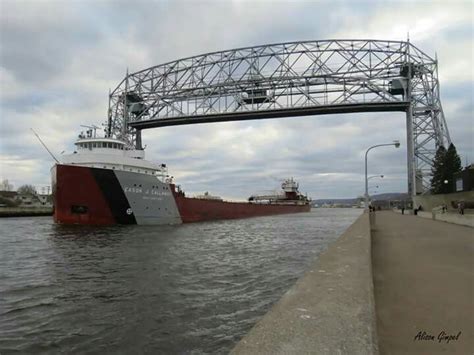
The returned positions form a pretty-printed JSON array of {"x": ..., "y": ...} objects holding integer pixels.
[{"x": 189, "y": 289}]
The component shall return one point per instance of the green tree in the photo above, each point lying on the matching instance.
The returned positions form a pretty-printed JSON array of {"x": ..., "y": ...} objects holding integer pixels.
[
  {"x": 438, "y": 171},
  {"x": 452, "y": 165},
  {"x": 27, "y": 190},
  {"x": 445, "y": 164}
]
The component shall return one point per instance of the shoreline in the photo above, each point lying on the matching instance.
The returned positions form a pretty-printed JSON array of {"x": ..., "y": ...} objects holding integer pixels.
[{"x": 25, "y": 211}]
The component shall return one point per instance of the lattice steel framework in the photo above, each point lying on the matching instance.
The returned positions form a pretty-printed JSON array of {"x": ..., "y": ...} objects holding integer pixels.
[{"x": 290, "y": 79}]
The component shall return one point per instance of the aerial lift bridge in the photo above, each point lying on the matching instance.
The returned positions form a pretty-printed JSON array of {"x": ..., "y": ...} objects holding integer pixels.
[{"x": 287, "y": 80}]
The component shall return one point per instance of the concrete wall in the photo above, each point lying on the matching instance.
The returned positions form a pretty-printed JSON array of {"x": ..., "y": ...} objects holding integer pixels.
[
  {"x": 330, "y": 310},
  {"x": 456, "y": 218},
  {"x": 431, "y": 201}
]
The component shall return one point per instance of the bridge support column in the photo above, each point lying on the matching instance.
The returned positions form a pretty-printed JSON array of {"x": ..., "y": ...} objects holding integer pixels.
[
  {"x": 410, "y": 153},
  {"x": 138, "y": 139}
]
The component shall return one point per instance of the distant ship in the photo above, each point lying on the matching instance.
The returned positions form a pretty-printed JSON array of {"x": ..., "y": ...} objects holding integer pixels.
[{"x": 107, "y": 182}]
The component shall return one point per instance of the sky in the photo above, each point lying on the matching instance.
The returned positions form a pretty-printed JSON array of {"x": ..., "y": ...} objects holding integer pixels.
[{"x": 58, "y": 60}]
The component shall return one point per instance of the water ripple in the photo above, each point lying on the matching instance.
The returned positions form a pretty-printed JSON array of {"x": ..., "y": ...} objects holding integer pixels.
[{"x": 190, "y": 289}]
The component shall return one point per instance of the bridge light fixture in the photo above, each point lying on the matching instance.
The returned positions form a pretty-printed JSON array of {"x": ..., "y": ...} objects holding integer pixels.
[{"x": 395, "y": 143}]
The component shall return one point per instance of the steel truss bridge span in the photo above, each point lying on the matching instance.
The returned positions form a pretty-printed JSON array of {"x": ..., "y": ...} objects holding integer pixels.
[{"x": 290, "y": 79}]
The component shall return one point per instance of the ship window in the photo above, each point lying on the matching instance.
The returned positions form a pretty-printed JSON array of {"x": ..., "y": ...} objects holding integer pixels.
[
  {"x": 109, "y": 145},
  {"x": 104, "y": 145}
]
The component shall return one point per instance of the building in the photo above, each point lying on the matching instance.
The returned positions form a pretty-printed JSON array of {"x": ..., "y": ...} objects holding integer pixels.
[
  {"x": 464, "y": 180},
  {"x": 13, "y": 198}
]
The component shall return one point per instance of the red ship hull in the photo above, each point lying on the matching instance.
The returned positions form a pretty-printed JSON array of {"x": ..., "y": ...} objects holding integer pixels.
[
  {"x": 196, "y": 210},
  {"x": 86, "y": 195}
]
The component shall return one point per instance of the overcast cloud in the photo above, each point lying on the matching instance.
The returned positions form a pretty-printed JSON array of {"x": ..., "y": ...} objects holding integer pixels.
[{"x": 58, "y": 60}]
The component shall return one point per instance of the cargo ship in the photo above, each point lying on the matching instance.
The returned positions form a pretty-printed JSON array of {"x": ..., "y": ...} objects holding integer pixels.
[{"x": 105, "y": 181}]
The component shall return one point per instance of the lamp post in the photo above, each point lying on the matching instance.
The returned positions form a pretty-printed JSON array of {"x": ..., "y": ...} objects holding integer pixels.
[{"x": 396, "y": 144}]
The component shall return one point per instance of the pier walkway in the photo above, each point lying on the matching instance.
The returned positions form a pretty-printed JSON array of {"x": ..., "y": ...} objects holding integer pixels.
[{"x": 423, "y": 283}]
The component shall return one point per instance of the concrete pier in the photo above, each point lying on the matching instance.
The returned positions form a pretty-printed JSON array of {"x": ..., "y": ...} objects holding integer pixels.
[
  {"x": 330, "y": 310},
  {"x": 423, "y": 282}
]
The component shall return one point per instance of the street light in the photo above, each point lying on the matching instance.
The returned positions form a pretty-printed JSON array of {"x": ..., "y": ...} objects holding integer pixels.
[{"x": 396, "y": 144}]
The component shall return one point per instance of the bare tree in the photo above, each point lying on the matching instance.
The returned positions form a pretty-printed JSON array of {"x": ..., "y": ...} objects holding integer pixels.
[
  {"x": 26, "y": 190},
  {"x": 6, "y": 186}
]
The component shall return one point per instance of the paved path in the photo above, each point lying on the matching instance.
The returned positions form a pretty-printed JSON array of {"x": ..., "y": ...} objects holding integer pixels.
[{"x": 423, "y": 282}]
